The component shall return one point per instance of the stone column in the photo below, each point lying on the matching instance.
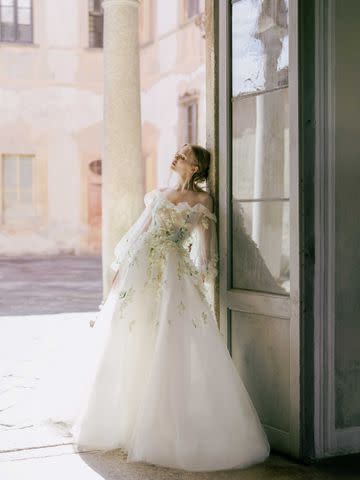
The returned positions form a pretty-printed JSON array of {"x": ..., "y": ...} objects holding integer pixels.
[{"x": 123, "y": 172}]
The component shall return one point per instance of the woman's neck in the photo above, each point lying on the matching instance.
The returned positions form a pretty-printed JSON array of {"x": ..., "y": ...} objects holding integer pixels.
[{"x": 180, "y": 187}]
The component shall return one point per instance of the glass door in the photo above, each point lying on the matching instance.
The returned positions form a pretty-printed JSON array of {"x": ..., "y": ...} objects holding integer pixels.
[{"x": 258, "y": 205}]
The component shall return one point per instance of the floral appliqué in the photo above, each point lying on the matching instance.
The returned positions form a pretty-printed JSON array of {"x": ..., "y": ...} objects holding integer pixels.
[
  {"x": 170, "y": 231},
  {"x": 204, "y": 222},
  {"x": 201, "y": 321},
  {"x": 126, "y": 296},
  {"x": 181, "y": 307}
]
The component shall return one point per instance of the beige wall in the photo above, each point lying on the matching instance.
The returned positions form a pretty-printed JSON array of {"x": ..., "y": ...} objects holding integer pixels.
[
  {"x": 172, "y": 65},
  {"x": 52, "y": 107}
]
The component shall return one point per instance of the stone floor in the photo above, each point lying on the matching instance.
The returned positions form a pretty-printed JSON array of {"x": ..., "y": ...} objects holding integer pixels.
[
  {"x": 60, "y": 463},
  {"x": 49, "y": 284},
  {"x": 30, "y": 344},
  {"x": 35, "y": 351},
  {"x": 31, "y": 452}
]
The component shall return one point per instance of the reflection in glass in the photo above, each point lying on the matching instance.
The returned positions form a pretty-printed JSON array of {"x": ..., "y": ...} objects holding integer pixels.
[
  {"x": 259, "y": 45},
  {"x": 261, "y": 243},
  {"x": 261, "y": 145}
]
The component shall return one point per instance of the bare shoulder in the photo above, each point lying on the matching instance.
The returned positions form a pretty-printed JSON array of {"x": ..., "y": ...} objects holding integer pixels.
[{"x": 207, "y": 200}]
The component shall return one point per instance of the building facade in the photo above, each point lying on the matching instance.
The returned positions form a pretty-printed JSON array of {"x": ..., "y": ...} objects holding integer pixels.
[
  {"x": 173, "y": 97},
  {"x": 51, "y": 140},
  {"x": 51, "y": 124},
  {"x": 281, "y": 109}
]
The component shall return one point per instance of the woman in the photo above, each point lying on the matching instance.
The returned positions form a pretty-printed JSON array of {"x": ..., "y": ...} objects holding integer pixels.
[{"x": 163, "y": 384}]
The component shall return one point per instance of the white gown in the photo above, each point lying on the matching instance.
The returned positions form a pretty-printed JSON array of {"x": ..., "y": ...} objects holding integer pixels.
[{"x": 161, "y": 383}]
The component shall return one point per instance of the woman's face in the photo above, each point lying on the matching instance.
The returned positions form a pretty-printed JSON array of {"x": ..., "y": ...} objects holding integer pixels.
[{"x": 184, "y": 162}]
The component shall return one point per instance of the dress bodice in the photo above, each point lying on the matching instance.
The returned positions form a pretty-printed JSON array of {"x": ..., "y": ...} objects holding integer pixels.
[
  {"x": 175, "y": 222},
  {"x": 164, "y": 227}
]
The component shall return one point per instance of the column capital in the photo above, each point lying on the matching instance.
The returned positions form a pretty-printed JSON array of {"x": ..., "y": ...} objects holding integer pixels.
[{"x": 111, "y": 3}]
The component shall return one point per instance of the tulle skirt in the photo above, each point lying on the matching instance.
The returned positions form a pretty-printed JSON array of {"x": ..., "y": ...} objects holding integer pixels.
[{"x": 155, "y": 378}]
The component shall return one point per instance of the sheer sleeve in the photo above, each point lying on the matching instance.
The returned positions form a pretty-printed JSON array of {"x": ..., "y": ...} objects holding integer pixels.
[
  {"x": 204, "y": 250},
  {"x": 137, "y": 228}
]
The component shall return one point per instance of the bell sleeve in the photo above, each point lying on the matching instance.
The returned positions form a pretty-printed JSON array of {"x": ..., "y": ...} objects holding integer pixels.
[
  {"x": 204, "y": 250},
  {"x": 140, "y": 226}
]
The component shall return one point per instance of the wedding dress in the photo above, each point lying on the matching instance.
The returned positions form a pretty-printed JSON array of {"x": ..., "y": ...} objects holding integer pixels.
[{"x": 161, "y": 383}]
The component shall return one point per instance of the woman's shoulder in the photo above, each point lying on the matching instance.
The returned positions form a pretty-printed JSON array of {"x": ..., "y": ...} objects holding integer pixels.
[
  {"x": 206, "y": 199},
  {"x": 150, "y": 196},
  {"x": 153, "y": 194}
]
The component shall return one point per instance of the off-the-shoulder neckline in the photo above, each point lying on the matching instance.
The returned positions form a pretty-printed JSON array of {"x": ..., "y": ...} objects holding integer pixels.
[{"x": 196, "y": 206}]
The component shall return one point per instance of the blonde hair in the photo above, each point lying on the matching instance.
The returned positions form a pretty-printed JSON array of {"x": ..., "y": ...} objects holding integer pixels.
[{"x": 203, "y": 157}]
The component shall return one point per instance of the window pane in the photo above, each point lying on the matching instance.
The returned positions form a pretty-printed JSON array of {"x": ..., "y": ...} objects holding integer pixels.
[
  {"x": 95, "y": 6},
  {"x": 24, "y": 3},
  {"x": 9, "y": 172},
  {"x": 194, "y": 124},
  {"x": 7, "y": 3},
  {"x": 260, "y": 45},
  {"x": 7, "y": 14},
  {"x": 25, "y": 196},
  {"x": 192, "y": 8},
  {"x": 261, "y": 237},
  {"x": 96, "y": 30},
  {"x": 191, "y": 123},
  {"x": 189, "y": 114},
  {"x": 7, "y": 31},
  {"x": 25, "y": 173},
  {"x": 17, "y": 188},
  {"x": 24, "y": 16},
  {"x": 24, "y": 33},
  {"x": 9, "y": 198},
  {"x": 261, "y": 145}
]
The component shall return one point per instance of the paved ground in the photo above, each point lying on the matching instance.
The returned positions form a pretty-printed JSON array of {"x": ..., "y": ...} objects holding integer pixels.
[
  {"x": 59, "y": 463},
  {"x": 37, "y": 350},
  {"x": 49, "y": 284},
  {"x": 30, "y": 347},
  {"x": 30, "y": 344}
]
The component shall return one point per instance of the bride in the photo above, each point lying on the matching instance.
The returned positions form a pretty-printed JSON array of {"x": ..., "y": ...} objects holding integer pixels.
[{"x": 161, "y": 382}]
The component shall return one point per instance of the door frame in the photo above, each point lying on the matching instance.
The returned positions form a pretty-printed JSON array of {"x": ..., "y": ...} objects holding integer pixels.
[{"x": 328, "y": 440}]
